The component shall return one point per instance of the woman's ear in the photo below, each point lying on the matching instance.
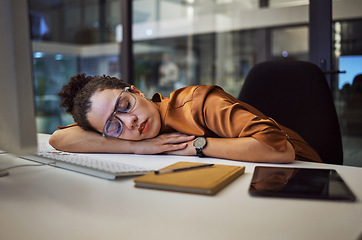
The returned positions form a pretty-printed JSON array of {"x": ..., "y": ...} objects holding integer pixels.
[{"x": 135, "y": 90}]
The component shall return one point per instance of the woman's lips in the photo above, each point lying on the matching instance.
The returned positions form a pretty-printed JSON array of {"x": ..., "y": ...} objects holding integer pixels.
[{"x": 143, "y": 127}]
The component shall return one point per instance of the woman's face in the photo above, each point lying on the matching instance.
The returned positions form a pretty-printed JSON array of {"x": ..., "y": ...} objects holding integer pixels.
[{"x": 142, "y": 122}]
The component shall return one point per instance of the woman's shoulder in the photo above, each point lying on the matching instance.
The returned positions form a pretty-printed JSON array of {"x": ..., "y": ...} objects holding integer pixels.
[
  {"x": 183, "y": 95},
  {"x": 196, "y": 90}
]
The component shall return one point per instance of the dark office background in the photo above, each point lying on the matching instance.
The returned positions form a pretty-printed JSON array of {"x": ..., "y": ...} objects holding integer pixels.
[{"x": 186, "y": 42}]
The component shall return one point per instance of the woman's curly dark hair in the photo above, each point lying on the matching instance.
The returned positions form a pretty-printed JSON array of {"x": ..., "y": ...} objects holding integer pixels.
[{"x": 76, "y": 94}]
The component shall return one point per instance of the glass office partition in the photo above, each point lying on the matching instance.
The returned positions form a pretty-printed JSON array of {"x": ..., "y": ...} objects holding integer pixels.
[
  {"x": 176, "y": 43},
  {"x": 70, "y": 36},
  {"x": 50, "y": 72},
  {"x": 180, "y": 43},
  {"x": 348, "y": 92},
  {"x": 347, "y": 56},
  {"x": 290, "y": 42},
  {"x": 74, "y": 21}
]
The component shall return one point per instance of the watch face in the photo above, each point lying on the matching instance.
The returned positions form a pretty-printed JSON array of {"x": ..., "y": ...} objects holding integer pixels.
[{"x": 200, "y": 142}]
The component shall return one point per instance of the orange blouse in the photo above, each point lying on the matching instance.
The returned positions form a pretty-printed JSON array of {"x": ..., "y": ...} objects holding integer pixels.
[{"x": 207, "y": 110}]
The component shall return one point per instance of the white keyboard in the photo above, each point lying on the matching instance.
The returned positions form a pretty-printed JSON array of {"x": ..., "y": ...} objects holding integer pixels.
[{"x": 87, "y": 164}]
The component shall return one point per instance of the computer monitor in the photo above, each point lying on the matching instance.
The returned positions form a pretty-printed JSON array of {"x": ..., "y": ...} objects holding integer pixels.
[{"x": 17, "y": 112}]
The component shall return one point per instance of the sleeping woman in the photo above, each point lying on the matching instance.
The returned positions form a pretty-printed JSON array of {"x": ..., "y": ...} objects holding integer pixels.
[{"x": 115, "y": 117}]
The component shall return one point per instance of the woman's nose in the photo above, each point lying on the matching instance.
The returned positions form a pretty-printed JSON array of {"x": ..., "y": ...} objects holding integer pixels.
[{"x": 128, "y": 120}]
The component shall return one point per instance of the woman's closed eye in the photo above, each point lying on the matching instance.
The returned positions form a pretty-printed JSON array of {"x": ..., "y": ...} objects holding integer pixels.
[
  {"x": 123, "y": 106},
  {"x": 126, "y": 103},
  {"x": 113, "y": 127}
]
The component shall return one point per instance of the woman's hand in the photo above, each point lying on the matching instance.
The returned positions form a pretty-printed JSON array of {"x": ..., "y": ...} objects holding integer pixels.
[
  {"x": 188, "y": 150},
  {"x": 164, "y": 143}
]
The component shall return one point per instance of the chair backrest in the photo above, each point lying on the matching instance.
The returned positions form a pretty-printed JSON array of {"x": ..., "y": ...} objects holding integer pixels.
[{"x": 296, "y": 94}]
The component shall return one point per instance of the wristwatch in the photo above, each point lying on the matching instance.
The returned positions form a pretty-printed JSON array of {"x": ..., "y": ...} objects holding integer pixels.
[{"x": 199, "y": 144}]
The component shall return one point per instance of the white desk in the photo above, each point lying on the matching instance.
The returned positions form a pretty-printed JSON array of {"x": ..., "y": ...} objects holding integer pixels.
[{"x": 51, "y": 203}]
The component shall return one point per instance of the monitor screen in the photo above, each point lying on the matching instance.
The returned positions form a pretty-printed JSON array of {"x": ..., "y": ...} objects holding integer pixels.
[{"x": 17, "y": 113}]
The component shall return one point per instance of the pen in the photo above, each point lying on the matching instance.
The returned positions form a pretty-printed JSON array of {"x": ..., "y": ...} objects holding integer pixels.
[{"x": 169, "y": 170}]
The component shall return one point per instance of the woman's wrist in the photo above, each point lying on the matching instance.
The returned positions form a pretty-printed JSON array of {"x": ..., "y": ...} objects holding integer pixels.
[{"x": 134, "y": 147}]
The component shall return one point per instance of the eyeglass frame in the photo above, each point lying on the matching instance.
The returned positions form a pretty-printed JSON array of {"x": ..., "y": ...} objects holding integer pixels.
[{"x": 114, "y": 116}]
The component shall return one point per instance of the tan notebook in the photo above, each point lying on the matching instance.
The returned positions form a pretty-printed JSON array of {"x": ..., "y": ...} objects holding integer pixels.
[{"x": 207, "y": 180}]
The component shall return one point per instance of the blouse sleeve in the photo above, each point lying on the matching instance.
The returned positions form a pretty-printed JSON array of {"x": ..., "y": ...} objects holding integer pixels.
[{"x": 228, "y": 117}]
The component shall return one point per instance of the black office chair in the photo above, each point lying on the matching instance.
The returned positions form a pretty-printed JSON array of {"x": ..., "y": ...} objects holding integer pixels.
[{"x": 296, "y": 94}]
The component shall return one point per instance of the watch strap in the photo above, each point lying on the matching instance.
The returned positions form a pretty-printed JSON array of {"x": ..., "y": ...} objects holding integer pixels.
[{"x": 199, "y": 152}]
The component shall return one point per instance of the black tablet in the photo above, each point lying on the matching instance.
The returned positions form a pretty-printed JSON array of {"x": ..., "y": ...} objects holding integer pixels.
[{"x": 299, "y": 183}]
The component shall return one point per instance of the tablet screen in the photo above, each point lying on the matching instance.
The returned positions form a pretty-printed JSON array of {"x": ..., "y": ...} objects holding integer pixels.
[{"x": 299, "y": 183}]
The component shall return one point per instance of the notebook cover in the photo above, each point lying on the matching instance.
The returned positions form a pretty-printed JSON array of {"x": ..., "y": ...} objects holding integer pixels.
[{"x": 207, "y": 180}]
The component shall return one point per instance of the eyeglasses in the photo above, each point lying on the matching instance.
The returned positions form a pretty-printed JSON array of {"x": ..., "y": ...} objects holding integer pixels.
[{"x": 125, "y": 104}]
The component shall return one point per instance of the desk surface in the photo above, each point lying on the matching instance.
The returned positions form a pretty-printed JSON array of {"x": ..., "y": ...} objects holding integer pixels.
[{"x": 50, "y": 203}]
